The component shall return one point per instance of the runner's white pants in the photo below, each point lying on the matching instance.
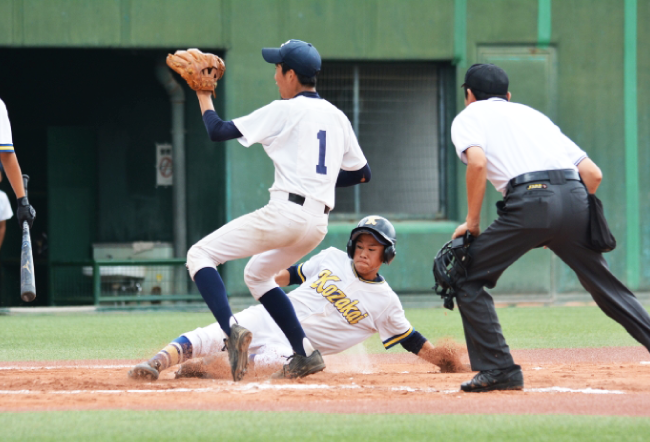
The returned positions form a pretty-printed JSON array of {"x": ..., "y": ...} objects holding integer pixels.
[{"x": 269, "y": 344}]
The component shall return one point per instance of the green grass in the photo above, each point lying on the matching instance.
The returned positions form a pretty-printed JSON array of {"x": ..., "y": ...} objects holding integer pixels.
[
  {"x": 93, "y": 336},
  {"x": 534, "y": 327},
  {"x": 140, "y": 335},
  {"x": 159, "y": 426}
]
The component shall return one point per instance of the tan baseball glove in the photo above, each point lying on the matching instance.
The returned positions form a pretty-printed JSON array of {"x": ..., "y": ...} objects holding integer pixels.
[{"x": 200, "y": 70}]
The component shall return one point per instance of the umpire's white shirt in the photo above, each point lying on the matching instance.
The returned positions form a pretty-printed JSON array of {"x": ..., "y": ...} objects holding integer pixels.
[
  {"x": 516, "y": 139},
  {"x": 300, "y": 134}
]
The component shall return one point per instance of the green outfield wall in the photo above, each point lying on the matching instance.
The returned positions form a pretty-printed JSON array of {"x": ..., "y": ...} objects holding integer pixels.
[{"x": 88, "y": 64}]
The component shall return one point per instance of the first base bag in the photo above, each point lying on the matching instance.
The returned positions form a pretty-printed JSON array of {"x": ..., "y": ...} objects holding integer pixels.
[{"x": 600, "y": 237}]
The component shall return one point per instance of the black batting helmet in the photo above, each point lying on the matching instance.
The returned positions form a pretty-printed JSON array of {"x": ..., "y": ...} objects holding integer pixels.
[{"x": 381, "y": 229}]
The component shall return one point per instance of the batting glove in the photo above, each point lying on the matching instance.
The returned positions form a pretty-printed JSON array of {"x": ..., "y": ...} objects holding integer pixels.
[{"x": 25, "y": 212}]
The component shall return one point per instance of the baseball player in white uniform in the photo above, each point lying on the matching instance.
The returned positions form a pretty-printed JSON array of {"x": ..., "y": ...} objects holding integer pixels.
[
  {"x": 314, "y": 149},
  {"x": 342, "y": 301},
  {"x": 24, "y": 211},
  {"x": 5, "y": 212}
]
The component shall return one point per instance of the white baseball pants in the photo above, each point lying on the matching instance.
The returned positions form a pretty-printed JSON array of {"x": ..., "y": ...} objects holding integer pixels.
[
  {"x": 276, "y": 236},
  {"x": 269, "y": 344}
]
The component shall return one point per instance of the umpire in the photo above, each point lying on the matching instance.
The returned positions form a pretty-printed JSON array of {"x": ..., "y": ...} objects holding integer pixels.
[{"x": 544, "y": 178}]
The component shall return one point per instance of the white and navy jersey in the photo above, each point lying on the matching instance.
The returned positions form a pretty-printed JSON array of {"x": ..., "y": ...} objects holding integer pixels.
[
  {"x": 309, "y": 141},
  {"x": 516, "y": 139},
  {"x": 338, "y": 309},
  {"x": 6, "y": 142}
]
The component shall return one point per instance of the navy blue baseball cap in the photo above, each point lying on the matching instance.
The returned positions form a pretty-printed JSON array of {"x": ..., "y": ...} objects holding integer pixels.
[
  {"x": 298, "y": 55},
  {"x": 486, "y": 78}
]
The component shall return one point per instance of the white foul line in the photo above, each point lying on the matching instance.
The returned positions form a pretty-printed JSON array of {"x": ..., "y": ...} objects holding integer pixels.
[
  {"x": 54, "y": 367},
  {"x": 255, "y": 387}
]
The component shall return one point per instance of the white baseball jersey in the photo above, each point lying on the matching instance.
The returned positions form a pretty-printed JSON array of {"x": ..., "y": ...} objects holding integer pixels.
[
  {"x": 337, "y": 310},
  {"x": 309, "y": 141},
  {"x": 495, "y": 126},
  {"x": 6, "y": 142},
  {"x": 5, "y": 207}
]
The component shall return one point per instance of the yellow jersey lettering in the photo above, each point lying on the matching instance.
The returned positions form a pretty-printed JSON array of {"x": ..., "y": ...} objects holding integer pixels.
[
  {"x": 341, "y": 303},
  {"x": 323, "y": 277},
  {"x": 338, "y": 295},
  {"x": 329, "y": 290},
  {"x": 353, "y": 315},
  {"x": 349, "y": 309},
  {"x": 345, "y": 306},
  {"x": 354, "y": 321}
]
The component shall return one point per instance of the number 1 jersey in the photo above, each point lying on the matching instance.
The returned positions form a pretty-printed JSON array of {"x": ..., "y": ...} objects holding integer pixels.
[{"x": 309, "y": 141}]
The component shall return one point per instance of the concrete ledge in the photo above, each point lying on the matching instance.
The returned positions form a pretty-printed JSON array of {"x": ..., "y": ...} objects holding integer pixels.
[
  {"x": 48, "y": 310},
  {"x": 409, "y": 300},
  {"x": 402, "y": 227}
]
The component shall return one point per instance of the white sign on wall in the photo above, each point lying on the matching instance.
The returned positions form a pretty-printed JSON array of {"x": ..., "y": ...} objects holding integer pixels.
[{"x": 164, "y": 165}]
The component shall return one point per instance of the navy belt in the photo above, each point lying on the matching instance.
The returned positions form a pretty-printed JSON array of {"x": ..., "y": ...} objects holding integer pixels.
[
  {"x": 554, "y": 176},
  {"x": 300, "y": 200}
]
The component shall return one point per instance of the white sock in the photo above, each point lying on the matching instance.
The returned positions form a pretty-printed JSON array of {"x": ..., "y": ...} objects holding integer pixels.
[{"x": 306, "y": 345}]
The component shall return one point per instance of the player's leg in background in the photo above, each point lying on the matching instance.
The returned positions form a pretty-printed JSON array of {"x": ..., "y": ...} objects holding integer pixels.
[
  {"x": 176, "y": 352},
  {"x": 268, "y": 346}
]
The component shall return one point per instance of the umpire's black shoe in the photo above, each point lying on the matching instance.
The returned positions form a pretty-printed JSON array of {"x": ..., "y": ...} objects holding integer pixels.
[
  {"x": 237, "y": 344},
  {"x": 488, "y": 380},
  {"x": 300, "y": 366}
]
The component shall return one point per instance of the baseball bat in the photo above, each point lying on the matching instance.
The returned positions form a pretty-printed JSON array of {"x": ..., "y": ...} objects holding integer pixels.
[{"x": 27, "y": 281}]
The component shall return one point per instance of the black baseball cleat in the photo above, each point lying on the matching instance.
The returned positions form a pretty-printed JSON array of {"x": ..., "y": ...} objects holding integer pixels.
[
  {"x": 144, "y": 372},
  {"x": 237, "y": 344},
  {"x": 510, "y": 378},
  {"x": 300, "y": 366}
]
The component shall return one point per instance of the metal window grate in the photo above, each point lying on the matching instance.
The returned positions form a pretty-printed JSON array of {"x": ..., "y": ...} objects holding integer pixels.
[{"x": 394, "y": 110}]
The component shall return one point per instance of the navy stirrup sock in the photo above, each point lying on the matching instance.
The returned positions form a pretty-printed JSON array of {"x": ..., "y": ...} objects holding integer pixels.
[
  {"x": 214, "y": 294},
  {"x": 277, "y": 303},
  {"x": 186, "y": 345},
  {"x": 176, "y": 352}
]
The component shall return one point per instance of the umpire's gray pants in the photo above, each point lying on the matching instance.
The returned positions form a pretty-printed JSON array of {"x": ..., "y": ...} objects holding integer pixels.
[{"x": 556, "y": 216}]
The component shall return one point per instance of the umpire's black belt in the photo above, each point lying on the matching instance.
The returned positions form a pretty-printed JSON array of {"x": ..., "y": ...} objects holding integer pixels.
[
  {"x": 300, "y": 200},
  {"x": 559, "y": 176}
]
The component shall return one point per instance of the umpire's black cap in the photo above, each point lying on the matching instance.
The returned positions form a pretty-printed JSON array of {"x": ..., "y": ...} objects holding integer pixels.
[
  {"x": 300, "y": 56},
  {"x": 486, "y": 78}
]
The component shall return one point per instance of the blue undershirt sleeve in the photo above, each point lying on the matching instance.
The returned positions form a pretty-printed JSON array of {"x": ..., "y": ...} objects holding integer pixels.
[
  {"x": 294, "y": 275},
  {"x": 219, "y": 130},
  {"x": 414, "y": 342},
  {"x": 349, "y": 178}
]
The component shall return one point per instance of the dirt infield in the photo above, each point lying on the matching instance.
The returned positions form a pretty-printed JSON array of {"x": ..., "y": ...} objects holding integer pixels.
[{"x": 603, "y": 381}]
